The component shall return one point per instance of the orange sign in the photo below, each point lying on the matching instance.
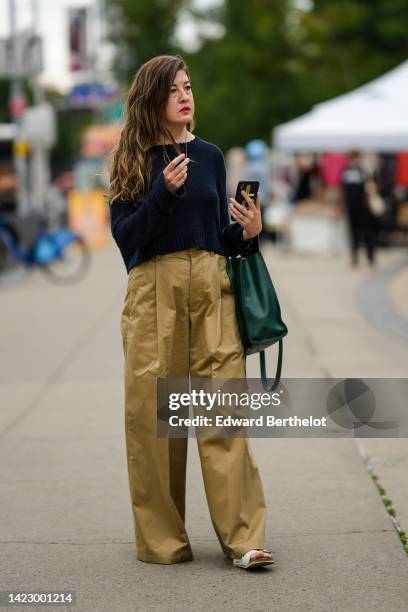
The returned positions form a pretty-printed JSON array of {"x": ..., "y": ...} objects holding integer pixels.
[
  {"x": 88, "y": 215},
  {"x": 99, "y": 140}
]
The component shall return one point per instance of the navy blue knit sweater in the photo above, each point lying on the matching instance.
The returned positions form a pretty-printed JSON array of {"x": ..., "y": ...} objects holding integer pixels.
[{"x": 195, "y": 215}]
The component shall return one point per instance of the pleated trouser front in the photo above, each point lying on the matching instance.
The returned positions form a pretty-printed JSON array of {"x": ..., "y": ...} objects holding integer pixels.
[{"x": 178, "y": 320}]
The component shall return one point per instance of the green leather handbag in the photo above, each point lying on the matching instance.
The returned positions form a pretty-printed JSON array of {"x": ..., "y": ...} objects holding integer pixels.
[{"x": 257, "y": 310}]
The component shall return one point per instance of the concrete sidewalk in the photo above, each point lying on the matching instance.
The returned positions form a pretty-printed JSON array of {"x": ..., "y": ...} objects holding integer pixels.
[{"x": 66, "y": 519}]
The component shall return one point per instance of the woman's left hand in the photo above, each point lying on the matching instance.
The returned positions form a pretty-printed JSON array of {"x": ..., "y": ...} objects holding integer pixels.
[{"x": 249, "y": 218}]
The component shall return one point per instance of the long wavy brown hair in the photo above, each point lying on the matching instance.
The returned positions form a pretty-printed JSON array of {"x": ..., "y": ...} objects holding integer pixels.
[{"x": 144, "y": 126}]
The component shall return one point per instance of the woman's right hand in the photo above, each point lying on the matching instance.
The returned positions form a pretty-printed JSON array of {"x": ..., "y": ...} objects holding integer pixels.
[{"x": 175, "y": 173}]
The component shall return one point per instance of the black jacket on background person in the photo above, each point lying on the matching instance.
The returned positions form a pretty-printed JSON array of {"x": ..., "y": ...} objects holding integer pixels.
[{"x": 360, "y": 219}]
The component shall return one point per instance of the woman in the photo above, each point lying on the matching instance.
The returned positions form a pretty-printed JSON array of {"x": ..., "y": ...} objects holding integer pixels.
[{"x": 169, "y": 218}]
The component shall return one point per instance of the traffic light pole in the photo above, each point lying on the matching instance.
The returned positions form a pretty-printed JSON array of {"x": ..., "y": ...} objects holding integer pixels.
[
  {"x": 40, "y": 156},
  {"x": 20, "y": 149}
]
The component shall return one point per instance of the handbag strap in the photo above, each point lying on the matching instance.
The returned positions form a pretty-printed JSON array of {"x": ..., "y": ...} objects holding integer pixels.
[{"x": 265, "y": 385}]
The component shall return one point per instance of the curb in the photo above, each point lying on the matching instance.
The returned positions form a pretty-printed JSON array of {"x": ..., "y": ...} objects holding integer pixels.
[{"x": 373, "y": 299}]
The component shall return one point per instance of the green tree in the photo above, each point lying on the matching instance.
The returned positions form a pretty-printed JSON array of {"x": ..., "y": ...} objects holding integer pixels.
[
  {"x": 274, "y": 59},
  {"x": 142, "y": 30},
  {"x": 245, "y": 80},
  {"x": 4, "y": 97},
  {"x": 345, "y": 44}
]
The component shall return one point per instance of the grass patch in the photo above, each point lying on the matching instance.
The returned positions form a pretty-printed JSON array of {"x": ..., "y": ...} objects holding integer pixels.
[{"x": 391, "y": 511}]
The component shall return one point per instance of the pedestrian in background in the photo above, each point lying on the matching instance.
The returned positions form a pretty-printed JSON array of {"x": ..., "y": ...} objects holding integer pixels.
[
  {"x": 361, "y": 221},
  {"x": 169, "y": 218}
]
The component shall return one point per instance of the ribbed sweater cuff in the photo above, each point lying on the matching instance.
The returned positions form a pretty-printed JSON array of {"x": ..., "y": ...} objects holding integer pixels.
[
  {"x": 250, "y": 246},
  {"x": 164, "y": 197},
  {"x": 241, "y": 246}
]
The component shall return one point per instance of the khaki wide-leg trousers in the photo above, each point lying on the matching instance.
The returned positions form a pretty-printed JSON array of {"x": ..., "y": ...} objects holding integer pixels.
[{"x": 178, "y": 320}]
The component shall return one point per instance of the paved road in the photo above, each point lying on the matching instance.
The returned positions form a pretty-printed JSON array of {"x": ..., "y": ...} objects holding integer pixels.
[{"x": 66, "y": 520}]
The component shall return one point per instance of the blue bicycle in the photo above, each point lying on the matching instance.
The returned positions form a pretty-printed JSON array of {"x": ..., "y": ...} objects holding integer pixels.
[{"x": 61, "y": 254}]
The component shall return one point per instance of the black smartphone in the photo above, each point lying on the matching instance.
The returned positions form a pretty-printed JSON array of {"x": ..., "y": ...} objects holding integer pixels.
[{"x": 250, "y": 187}]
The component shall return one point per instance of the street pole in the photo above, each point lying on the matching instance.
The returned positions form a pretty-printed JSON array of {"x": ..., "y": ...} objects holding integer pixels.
[
  {"x": 20, "y": 149},
  {"x": 40, "y": 172}
]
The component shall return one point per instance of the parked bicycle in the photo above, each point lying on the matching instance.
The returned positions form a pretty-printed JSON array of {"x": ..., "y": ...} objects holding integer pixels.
[{"x": 61, "y": 254}]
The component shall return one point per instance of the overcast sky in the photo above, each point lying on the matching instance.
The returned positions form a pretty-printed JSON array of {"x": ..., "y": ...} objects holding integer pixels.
[{"x": 52, "y": 26}]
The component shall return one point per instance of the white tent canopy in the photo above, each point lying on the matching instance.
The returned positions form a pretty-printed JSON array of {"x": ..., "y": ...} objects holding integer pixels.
[{"x": 373, "y": 117}]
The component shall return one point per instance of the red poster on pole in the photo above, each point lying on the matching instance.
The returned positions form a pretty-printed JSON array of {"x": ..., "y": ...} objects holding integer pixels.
[
  {"x": 17, "y": 106},
  {"x": 78, "y": 59}
]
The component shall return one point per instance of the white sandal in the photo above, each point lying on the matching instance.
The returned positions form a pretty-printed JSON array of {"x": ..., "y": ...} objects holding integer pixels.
[{"x": 246, "y": 562}]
